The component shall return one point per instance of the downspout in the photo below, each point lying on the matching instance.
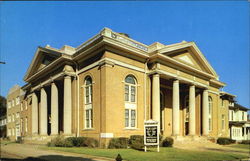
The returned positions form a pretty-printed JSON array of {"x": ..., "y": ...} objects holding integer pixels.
[
  {"x": 145, "y": 89},
  {"x": 78, "y": 102}
]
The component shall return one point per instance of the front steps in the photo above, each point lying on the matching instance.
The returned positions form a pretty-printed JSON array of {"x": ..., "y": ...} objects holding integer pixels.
[{"x": 194, "y": 142}]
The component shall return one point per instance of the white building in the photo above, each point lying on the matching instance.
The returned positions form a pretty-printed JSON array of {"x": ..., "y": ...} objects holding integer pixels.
[{"x": 238, "y": 122}]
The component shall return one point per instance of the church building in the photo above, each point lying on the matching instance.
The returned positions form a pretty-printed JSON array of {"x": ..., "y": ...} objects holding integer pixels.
[{"x": 109, "y": 85}]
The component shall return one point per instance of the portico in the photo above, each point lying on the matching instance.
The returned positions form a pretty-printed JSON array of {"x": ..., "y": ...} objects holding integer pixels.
[{"x": 180, "y": 112}]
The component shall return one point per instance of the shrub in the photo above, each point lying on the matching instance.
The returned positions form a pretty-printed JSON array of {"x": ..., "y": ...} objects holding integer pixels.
[
  {"x": 245, "y": 142},
  {"x": 225, "y": 141},
  {"x": 19, "y": 140},
  {"x": 136, "y": 142},
  {"x": 59, "y": 141},
  {"x": 73, "y": 140},
  {"x": 118, "y": 143},
  {"x": 90, "y": 142},
  {"x": 168, "y": 142}
]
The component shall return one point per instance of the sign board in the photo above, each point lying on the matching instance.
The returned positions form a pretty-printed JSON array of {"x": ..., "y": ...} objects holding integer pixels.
[{"x": 151, "y": 133}]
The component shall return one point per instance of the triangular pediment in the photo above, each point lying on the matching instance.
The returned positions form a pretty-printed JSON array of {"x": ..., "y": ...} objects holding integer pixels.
[
  {"x": 189, "y": 54},
  {"x": 188, "y": 58},
  {"x": 43, "y": 57}
]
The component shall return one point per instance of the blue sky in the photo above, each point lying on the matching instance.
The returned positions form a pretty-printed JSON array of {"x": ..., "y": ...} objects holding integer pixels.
[{"x": 220, "y": 29}]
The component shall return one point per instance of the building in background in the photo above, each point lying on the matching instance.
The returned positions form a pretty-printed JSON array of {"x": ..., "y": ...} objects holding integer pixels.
[
  {"x": 3, "y": 131},
  {"x": 13, "y": 112},
  {"x": 109, "y": 85},
  {"x": 238, "y": 122}
]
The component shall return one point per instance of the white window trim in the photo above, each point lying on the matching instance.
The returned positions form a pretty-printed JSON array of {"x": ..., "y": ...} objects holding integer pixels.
[
  {"x": 130, "y": 118},
  {"x": 130, "y": 91},
  {"x": 129, "y": 105},
  {"x": 223, "y": 119},
  {"x": 89, "y": 105}
]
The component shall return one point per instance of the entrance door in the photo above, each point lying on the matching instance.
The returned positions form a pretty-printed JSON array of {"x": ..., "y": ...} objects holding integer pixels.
[
  {"x": 162, "y": 113},
  {"x": 186, "y": 115}
]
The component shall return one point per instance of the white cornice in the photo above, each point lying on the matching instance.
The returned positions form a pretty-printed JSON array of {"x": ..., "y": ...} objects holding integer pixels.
[
  {"x": 175, "y": 76},
  {"x": 115, "y": 62},
  {"x": 180, "y": 64}
]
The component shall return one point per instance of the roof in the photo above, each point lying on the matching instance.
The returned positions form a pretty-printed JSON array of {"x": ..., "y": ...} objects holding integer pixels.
[{"x": 236, "y": 105}]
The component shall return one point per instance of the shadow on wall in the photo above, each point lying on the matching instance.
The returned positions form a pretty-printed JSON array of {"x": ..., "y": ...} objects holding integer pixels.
[{"x": 49, "y": 158}]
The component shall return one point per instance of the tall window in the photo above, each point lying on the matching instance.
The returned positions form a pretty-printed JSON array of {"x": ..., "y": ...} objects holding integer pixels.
[
  {"x": 9, "y": 104},
  {"x": 242, "y": 115},
  {"x": 26, "y": 124},
  {"x": 130, "y": 97},
  {"x": 222, "y": 102},
  {"x": 223, "y": 122},
  {"x": 210, "y": 110},
  {"x": 232, "y": 115},
  {"x": 13, "y": 103},
  {"x": 21, "y": 128},
  {"x": 88, "y": 103},
  {"x": 17, "y": 100},
  {"x": 130, "y": 89}
]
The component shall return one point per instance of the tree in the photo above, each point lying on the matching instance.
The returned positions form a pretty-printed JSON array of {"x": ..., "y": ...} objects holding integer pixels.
[{"x": 2, "y": 106}]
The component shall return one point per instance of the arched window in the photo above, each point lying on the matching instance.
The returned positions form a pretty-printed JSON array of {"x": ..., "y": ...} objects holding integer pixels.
[
  {"x": 88, "y": 102},
  {"x": 88, "y": 90},
  {"x": 210, "y": 109},
  {"x": 130, "y": 98},
  {"x": 130, "y": 89}
]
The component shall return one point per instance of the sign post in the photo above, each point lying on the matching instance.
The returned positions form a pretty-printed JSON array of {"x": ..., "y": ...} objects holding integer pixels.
[{"x": 151, "y": 134}]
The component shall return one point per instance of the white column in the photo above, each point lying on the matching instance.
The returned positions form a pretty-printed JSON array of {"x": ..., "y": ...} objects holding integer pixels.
[
  {"x": 34, "y": 114},
  {"x": 67, "y": 105},
  {"x": 43, "y": 113},
  {"x": 156, "y": 98},
  {"x": 192, "y": 110},
  {"x": 54, "y": 109},
  {"x": 205, "y": 112},
  {"x": 176, "y": 106}
]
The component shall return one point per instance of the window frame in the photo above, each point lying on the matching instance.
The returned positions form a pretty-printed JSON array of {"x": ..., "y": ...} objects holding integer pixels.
[
  {"x": 88, "y": 103},
  {"x": 223, "y": 124},
  {"x": 130, "y": 86},
  {"x": 130, "y": 92}
]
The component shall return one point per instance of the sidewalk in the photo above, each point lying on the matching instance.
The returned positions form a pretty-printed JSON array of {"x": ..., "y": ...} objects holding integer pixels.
[{"x": 25, "y": 152}]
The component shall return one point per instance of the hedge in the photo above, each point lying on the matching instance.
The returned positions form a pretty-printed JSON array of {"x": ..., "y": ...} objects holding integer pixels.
[{"x": 225, "y": 141}]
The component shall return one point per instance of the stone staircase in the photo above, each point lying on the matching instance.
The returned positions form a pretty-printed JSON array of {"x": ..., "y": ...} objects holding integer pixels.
[{"x": 194, "y": 142}]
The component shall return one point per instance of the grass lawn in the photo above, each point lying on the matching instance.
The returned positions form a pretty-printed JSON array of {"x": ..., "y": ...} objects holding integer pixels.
[
  {"x": 7, "y": 142},
  {"x": 241, "y": 146},
  {"x": 164, "y": 154}
]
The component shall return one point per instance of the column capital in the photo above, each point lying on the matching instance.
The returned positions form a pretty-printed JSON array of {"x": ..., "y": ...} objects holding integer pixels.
[
  {"x": 156, "y": 75},
  {"x": 66, "y": 76}
]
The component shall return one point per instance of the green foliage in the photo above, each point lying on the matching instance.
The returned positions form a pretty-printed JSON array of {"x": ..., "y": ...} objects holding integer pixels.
[
  {"x": 91, "y": 142},
  {"x": 136, "y": 142},
  {"x": 245, "y": 142},
  {"x": 118, "y": 143},
  {"x": 168, "y": 142},
  {"x": 19, "y": 140},
  {"x": 59, "y": 141},
  {"x": 225, "y": 141},
  {"x": 2, "y": 106}
]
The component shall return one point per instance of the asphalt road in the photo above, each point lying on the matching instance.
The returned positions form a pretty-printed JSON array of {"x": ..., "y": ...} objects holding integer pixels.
[{"x": 27, "y": 152}]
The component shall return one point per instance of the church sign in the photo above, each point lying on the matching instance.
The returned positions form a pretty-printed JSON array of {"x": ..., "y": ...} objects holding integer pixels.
[{"x": 151, "y": 133}]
